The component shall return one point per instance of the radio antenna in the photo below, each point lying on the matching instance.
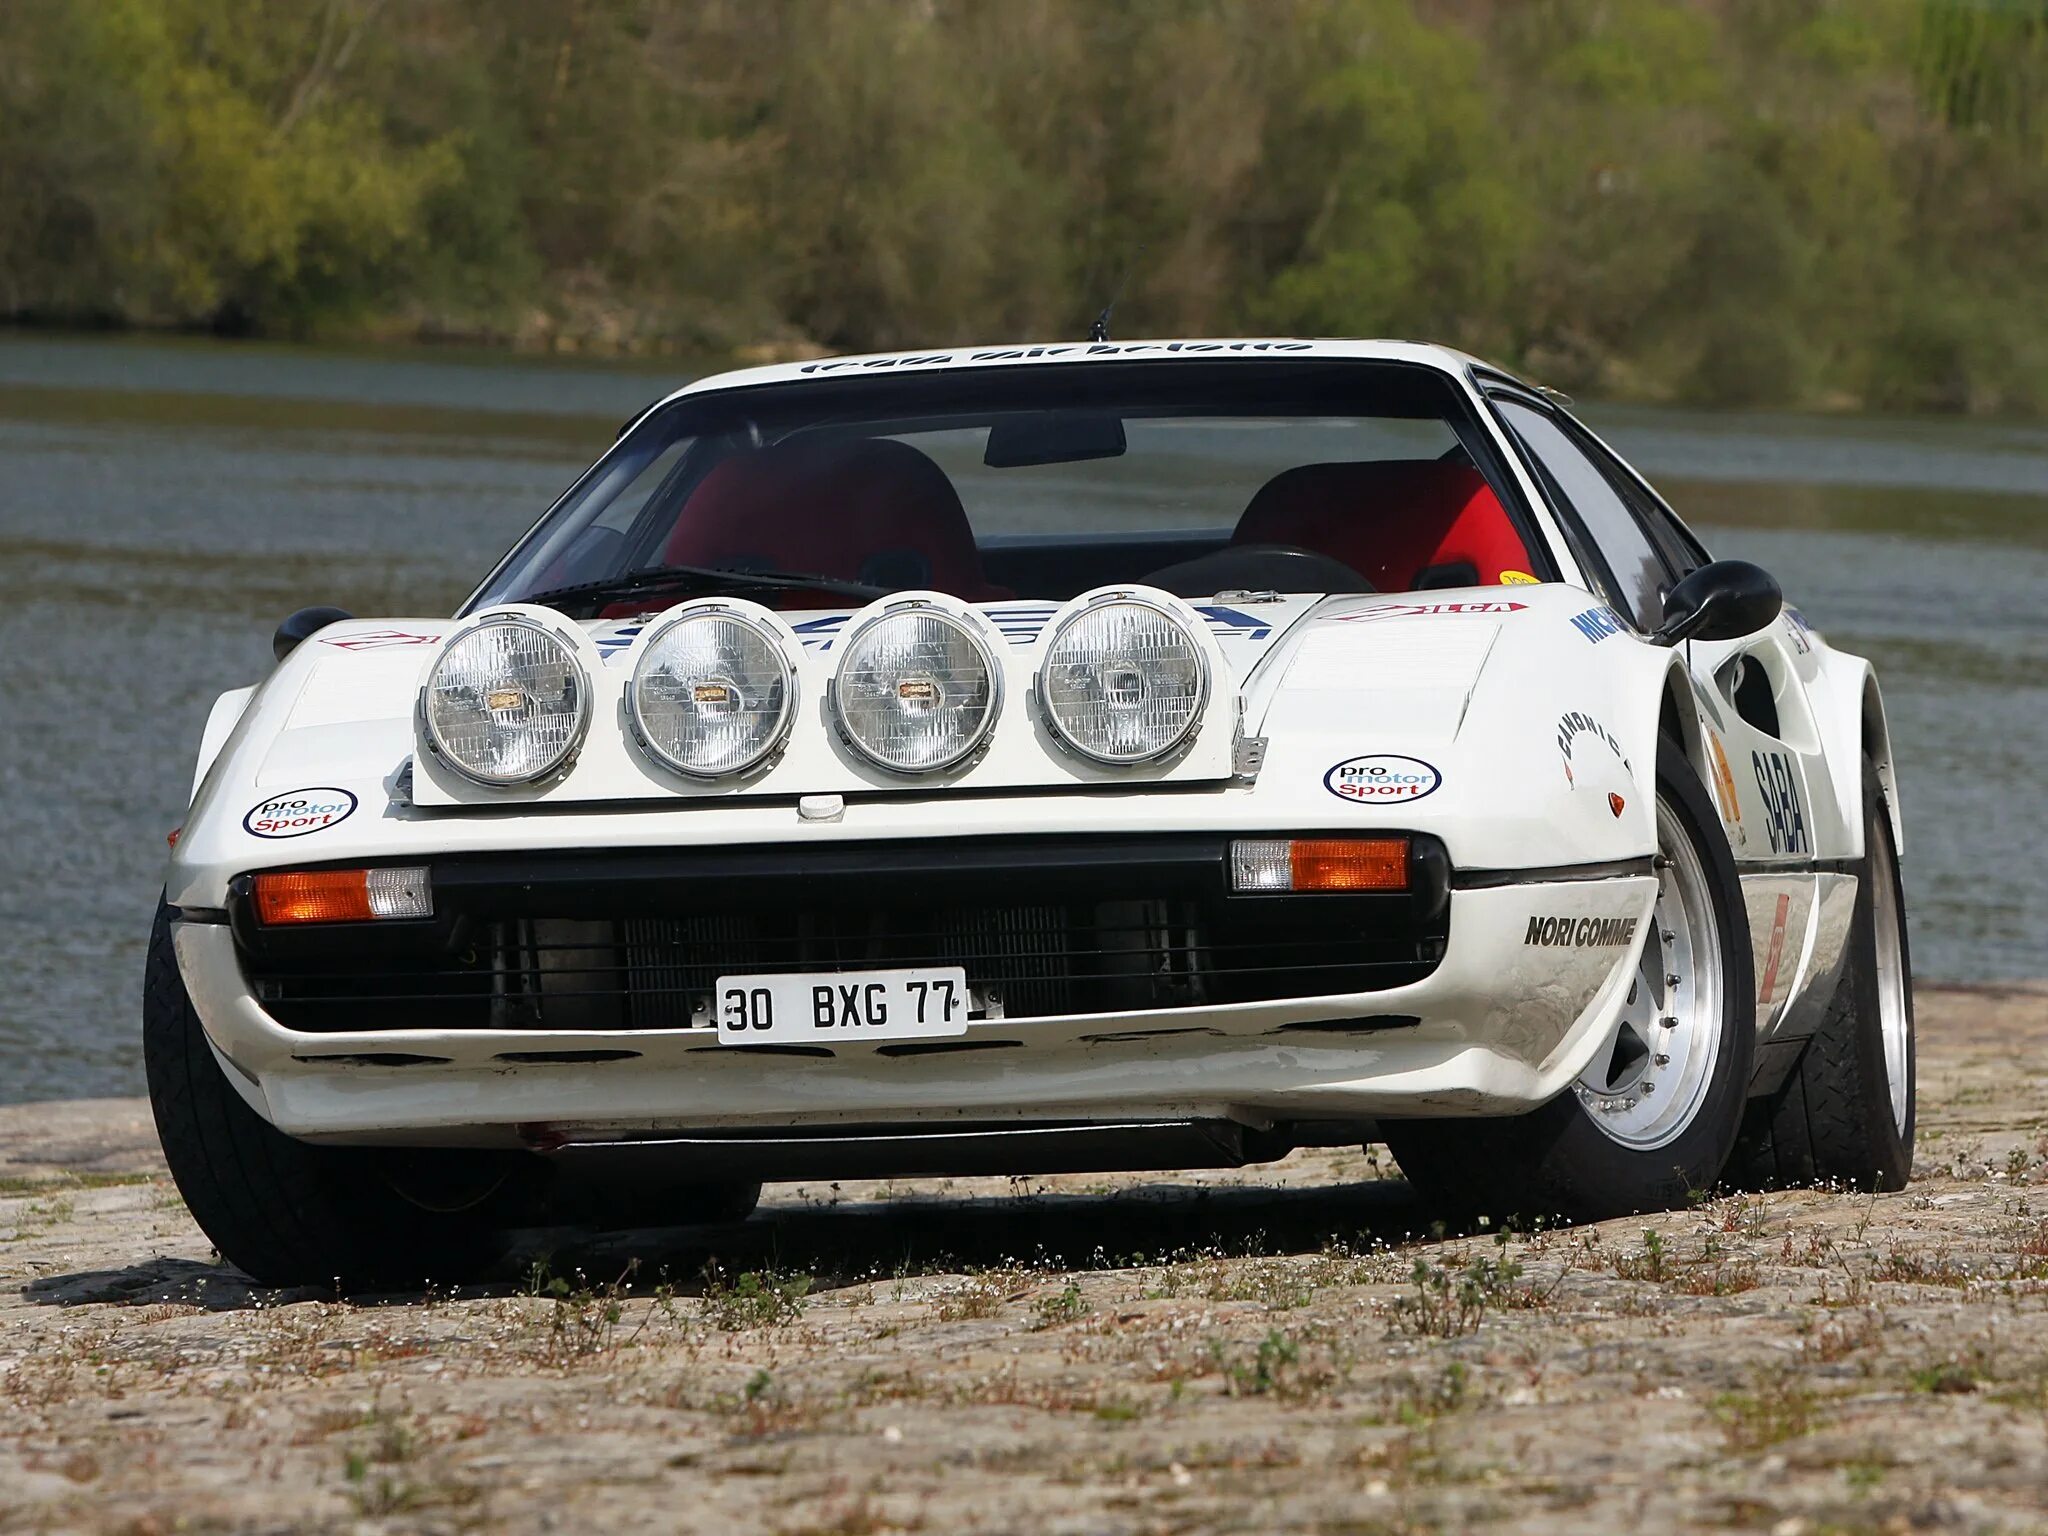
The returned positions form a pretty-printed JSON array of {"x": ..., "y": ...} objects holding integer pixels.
[{"x": 1099, "y": 331}]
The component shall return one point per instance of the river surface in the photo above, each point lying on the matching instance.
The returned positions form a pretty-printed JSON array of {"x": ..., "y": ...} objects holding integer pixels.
[{"x": 163, "y": 504}]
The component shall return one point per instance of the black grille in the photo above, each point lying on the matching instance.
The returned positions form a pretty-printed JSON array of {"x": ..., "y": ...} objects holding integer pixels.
[{"x": 1099, "y": 938}]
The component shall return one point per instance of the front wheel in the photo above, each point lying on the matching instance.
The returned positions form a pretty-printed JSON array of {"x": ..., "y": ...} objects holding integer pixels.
[
  {"x": 1651, "y": 1121},
  {"x": 286, "y": 1212}
]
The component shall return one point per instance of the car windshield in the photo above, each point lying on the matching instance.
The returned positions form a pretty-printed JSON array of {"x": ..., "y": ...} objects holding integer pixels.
[{"x": 1034, "y": 482}]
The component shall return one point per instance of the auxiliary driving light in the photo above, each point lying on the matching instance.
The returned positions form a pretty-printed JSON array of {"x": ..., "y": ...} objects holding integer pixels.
[
  {"x": 713, "y": 692},
  {"x": 917, "y": 689},
  {"x": 342, "y": 895},
  {"x": 507, "y": 702},
  {"x": 1123, "y": 680},
  {"x": 1319, "y": 864}
]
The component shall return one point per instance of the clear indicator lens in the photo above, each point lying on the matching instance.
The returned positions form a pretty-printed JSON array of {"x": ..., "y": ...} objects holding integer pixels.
[
  {"x": 399, "y": 893},
  {"x": 1261, "y": 864},
  {"x": 916, "y": 690},
  {"x": 712, "y": 694},
  {"x": 1123, "y": 682},
  {"x": 507, "y": 702}
]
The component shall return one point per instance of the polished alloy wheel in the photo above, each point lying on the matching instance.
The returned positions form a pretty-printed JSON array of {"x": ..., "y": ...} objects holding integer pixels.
[
  {"x": 1644, "y": 1089},
  {"x": 1894, "y": 1026}
]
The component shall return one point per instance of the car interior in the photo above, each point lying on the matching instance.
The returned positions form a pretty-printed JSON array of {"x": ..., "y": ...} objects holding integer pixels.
[
  {"x": 878, "y": 511},
  {"x": 1287, "y": 489}
]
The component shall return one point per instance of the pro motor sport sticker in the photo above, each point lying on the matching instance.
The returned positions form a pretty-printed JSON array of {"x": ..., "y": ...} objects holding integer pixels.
[
  {"x": 300, "y": 812},
  {"x": 1381, "y": 778}
]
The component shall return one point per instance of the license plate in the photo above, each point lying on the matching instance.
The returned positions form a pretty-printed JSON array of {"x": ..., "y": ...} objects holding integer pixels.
[{"x": 825, "y": 1006}]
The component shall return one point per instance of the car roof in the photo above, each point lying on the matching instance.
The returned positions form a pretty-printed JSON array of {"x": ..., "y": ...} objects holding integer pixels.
[{"x": 942, "y": 359}]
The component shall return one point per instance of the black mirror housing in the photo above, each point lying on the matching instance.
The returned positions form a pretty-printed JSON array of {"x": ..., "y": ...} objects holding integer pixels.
[
  {"x": 1724, "y": 600},
  {"x": 300, "y": 625}
]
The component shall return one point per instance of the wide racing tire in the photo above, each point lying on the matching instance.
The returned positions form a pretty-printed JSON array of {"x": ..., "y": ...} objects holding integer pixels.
[
  {"x": 1845, "y": 1111},
  {"x": 287, "y": 1212},
  {"x": 1610, "y": 1145}
]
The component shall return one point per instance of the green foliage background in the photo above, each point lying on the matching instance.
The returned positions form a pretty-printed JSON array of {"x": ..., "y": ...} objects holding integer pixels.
[{"x": 1725, "y": 201}]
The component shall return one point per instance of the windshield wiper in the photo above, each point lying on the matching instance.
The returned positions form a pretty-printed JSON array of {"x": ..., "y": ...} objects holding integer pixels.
[{"x": 685, "y": 578}]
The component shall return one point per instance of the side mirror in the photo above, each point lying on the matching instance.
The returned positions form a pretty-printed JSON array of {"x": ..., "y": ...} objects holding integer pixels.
[
  {"x": 306, "y": 622},
  {"x": 1722, "y": 601}
]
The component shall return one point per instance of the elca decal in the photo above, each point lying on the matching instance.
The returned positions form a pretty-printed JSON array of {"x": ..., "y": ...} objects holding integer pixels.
[
  {"x": 1381, "y": 778},
  {"x": 1576, "y": 724},
  {"x": 1431, "y": 610},
  {"x": 381, "y": 639},
  {"x": 1596, "y": 624},
  {"x": 1779, "y": 786},
  {"x": 300, "y": 812},
  {"x": 1580, "y": 932}
]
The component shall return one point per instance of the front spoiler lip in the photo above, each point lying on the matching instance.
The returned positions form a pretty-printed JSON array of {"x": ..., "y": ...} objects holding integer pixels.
[{"x": 1503, "y": 1027}]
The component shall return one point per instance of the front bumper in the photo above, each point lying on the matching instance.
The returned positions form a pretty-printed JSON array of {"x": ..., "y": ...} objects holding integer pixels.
[{"x": 1257, "y": 1009}]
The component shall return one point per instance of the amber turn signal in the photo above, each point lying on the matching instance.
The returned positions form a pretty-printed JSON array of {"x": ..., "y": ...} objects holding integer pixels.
[
  {"x": 1350, "y": 864},
  {"x": 342, "y": 895},
  {"x": 1320, "y": 864}
]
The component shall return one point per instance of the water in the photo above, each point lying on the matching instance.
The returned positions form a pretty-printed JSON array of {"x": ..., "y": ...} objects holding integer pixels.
[{"x": 162, "y": 505}]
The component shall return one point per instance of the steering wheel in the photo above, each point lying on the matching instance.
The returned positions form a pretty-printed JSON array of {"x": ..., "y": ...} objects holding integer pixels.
[{"x": 1259, "y": 568}]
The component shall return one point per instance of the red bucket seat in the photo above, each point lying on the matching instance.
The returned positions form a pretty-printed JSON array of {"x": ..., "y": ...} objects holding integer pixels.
[
  {"x": 872, "y": 510},
  {"x": 1393, "y": 521}
]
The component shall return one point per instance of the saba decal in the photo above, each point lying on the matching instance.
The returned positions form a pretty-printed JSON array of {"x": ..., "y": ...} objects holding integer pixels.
[{"x": 1779, "y": 786}]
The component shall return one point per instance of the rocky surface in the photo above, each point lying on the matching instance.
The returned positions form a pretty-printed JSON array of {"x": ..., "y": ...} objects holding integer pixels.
[{"x": 1271, "y": 1349}]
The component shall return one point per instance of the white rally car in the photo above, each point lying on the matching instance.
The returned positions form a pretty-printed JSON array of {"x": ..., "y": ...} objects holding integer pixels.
[{"x": 1102, "y": 756}]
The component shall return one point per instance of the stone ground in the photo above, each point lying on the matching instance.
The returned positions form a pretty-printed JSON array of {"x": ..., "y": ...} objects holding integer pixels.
[{"x": 1256, "y": 1351}]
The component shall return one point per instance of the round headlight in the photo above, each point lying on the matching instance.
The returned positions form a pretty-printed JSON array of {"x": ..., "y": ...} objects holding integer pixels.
[
  {"x": 917, "y": 690},
  {"x": 507, "y": 703},
  {"x": 1123, "y": 681},
  {"x": 713, "y": 693}
]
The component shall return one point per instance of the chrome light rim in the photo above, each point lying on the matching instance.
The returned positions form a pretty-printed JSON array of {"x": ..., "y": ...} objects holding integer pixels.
[
  {"x": 1189, "y": 732},
  {"x": 985, "y": 653},
  {"x": 776, "y": 739},
  {"x": 563, "y": 759}
]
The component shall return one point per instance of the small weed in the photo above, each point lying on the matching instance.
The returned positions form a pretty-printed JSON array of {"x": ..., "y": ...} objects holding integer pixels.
[
  {"x": 1722, "y": 1278},
  {"x": 755, "y": 1299},
  {"x": 1650, "y": 1264},
  {"x": 1746, "y": 1215},
  {"x": 984, "y": 1295},
  {"x": 1955, "y": 1376},
  {"x": 1448, "y": 1304},
  {"x": 1267, "y": 1371},
  {"x": 1907, "y": 1268},
  {"x": 1415, "y": 1401},
  {"x": 764, "y": 1406},
  {"x": 584, "y": 1320},
  {"x": 1836, "y": 1338},
  {"x": 1776, "y": 1410},
  {"x": 1066, "y": 1306}
]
